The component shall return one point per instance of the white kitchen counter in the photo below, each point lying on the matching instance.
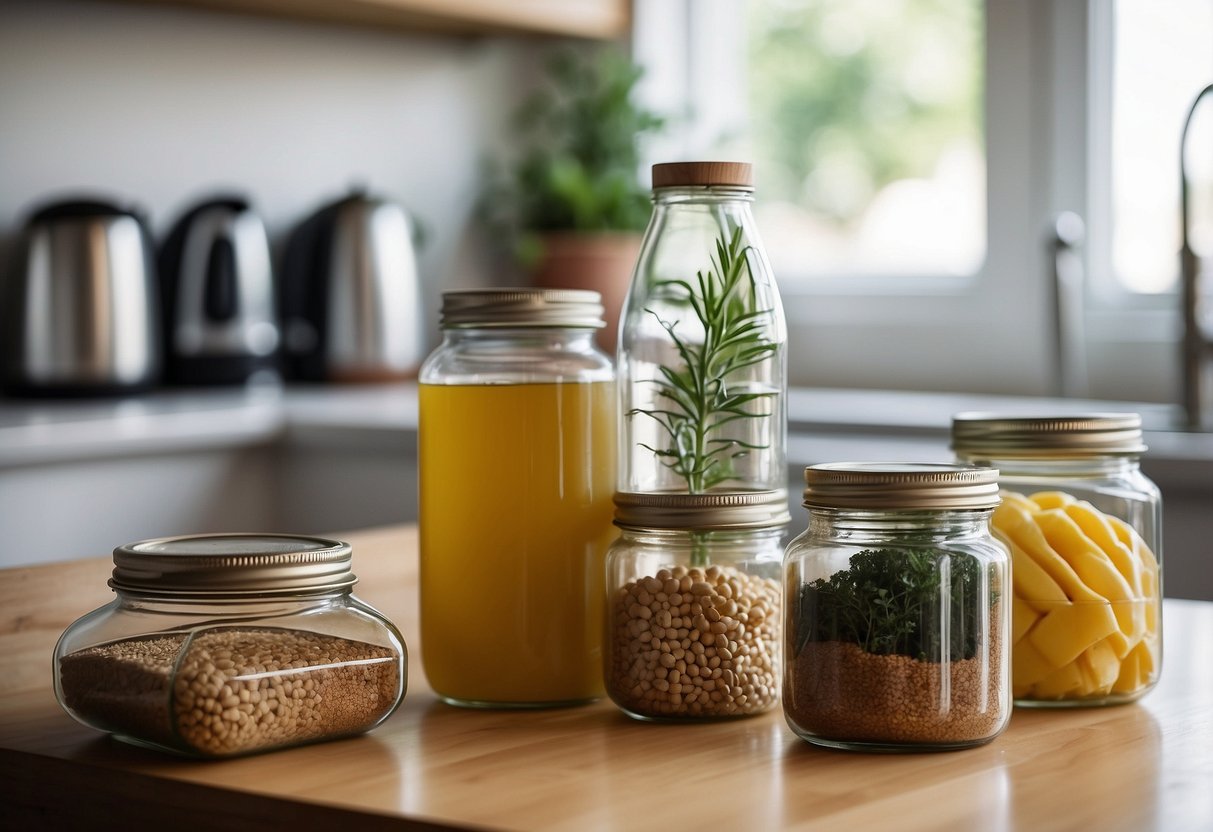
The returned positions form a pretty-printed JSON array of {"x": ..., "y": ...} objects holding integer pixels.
[
  {"x": 44, "y": 431},
  {"x": 80, "y": 477}
]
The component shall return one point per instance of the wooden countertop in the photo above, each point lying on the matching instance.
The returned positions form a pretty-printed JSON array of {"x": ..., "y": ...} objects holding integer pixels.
[{"x": 1136, "y": 767}]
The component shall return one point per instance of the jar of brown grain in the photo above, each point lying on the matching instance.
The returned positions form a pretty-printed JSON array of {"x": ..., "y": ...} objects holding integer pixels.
[
  {"x": 221, "y": 645},
  {"x": 693, "y": 618},
  {"x": 897, "y": 604}
]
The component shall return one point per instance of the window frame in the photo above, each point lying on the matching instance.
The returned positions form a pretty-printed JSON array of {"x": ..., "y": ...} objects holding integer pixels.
[{"x": 1047, "y": 66}]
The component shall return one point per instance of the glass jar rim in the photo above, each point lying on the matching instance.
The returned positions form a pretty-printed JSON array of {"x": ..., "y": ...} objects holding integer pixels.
[
  {"x": 900, "y": 485},
  {"x": 986, "y": 435},
  {"x": 233, "y": 565},
  {"x": 714, "y": 511},
  {"x": 522, "y": 308}
]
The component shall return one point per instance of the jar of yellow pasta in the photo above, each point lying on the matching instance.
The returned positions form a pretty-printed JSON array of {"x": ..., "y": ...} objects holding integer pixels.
[{"x": 1084, "y": 526}]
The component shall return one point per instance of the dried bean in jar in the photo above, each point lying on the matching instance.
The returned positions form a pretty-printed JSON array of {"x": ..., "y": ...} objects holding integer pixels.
[
  {"x": 723, "y": 661},
  {"x": 232, "y": 691}
]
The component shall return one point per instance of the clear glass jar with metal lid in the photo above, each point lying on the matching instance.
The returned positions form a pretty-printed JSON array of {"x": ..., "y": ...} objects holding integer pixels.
[
  {"x": 517, "y": 401},
  {"x": 220, "y": 645},
  {"x": 693, "y": 617},
  {"x": 897, "y": 623},
  {"x": 1084, "y": 526},
  {"x": 703, "y": 343}
]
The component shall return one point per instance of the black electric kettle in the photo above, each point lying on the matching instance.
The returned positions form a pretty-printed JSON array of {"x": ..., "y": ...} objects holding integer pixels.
[
  {"x": 217, "y": 289},
  {"x": 350, "y": 297},
  {"x": 79, "y": 304}
]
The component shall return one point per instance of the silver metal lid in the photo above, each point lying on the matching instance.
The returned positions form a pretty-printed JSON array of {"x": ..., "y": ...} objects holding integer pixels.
[
  {"x": 702, "y": 512},
  {"x": 896, "y": 485},
  {"x": 985, "y": 435},
  {"x": 476, "y": 308},
  {"x": 233, "y": 564}
]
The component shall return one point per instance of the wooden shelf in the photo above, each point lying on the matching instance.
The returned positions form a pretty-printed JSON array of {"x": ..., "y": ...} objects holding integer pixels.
[{"x": 595, "y": 19}]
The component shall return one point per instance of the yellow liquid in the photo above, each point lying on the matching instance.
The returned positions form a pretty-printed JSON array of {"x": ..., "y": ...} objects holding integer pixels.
[{"x": 516, "y": 487}]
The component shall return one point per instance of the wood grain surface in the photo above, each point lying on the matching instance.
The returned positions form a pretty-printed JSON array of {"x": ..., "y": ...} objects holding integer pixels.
[{"x": 1135, "y": 767}]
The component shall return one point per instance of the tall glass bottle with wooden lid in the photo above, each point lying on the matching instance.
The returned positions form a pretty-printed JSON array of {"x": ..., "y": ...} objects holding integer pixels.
[
  {"x": 517, "y": 468},
  {"x": 702, "y": 351},
  {"x": 1084, "y": 526}
]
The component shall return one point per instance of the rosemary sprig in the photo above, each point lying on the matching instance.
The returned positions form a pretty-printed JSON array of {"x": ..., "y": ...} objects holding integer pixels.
[{"x": 698, "y": 400}]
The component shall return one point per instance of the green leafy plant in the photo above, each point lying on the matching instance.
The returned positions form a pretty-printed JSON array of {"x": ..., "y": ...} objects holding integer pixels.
[
  {"x": 578, "y": 167},
  {"x": 888, "y": 602},
  {"x": 697, "y": 399}
]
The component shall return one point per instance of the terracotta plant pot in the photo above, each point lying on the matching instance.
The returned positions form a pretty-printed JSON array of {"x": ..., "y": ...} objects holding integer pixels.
[{"x": 600, "y": 261}]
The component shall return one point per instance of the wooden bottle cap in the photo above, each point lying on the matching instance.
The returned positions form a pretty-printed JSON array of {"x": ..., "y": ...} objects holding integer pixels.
[{"x": 682, "y": 174}]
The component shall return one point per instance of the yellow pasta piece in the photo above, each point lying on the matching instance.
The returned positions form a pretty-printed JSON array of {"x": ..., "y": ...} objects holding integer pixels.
[
  {"x": 1018, "y": 525},
  {"x": 1023, "y": 617},
  {"x": 1065, "y": 632},
  {"x": 1051, "y": 499},
  {"x": 1095, "y": 525},
  {"x": 1096, "y": 571},
  {"x": 1031, "y": 583},
  {"x": 1028, "y": 666},
  {"x": 1100, "y": 667},
  {"x": 1138, "y": 667},
  {"x": 1150, "y": 589},
  {"x": 1061, "y": 683}
]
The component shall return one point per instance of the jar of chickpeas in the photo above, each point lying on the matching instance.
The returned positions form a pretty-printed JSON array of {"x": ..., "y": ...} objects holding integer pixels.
[{"x": 693, "y": 608}]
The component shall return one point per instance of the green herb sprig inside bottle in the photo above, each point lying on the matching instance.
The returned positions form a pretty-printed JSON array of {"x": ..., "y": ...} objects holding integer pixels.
[{"x": 702, "y": 353}]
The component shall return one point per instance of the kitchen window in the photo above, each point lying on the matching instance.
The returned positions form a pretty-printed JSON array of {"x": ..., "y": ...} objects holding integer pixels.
[{"x": 1017, "y": 125}]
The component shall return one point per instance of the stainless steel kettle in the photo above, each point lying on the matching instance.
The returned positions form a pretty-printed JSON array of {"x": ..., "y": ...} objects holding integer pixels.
[
  {"x": 80, "y": 304},
  {"x": 350, "y": 295},
  {"x": 217, "y": 290}
]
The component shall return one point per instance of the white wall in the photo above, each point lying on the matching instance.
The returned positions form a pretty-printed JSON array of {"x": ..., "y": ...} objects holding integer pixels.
[{"x": 160, "y": 105}]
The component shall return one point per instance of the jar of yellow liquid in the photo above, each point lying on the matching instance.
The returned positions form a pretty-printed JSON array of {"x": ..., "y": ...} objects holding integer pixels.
[{"x": 517, "y": 455}]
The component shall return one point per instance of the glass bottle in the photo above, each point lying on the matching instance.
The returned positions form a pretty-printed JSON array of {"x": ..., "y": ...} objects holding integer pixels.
[
  {"x": 702, "y": 351},
  {"x": 221, "y": 645},
  {"x": 517, "y": 468},
  {"x": 897, "y": 620},
  {"x": 1084, "y": 526},
  {"x": 693, "y": 606}
]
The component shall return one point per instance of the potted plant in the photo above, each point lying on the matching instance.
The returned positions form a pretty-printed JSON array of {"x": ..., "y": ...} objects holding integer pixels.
[{"x": 572, "y": 203}]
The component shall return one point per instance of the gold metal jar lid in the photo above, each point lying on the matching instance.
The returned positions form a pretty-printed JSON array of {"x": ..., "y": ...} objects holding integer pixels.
[
  {"x": 702, "y": 512},
  {"x": 986, "y": 435},
  {"x": 233, "y": 565},
  {"x": 703, "y": 174},
  {"x": 897, "y": 485},
  {"x": 522, "y": 307}
]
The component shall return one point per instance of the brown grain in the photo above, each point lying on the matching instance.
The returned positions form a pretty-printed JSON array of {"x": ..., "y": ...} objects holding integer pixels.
[
  {"x": 234, "y": 690},
  {"x": 840, "y": 693}
]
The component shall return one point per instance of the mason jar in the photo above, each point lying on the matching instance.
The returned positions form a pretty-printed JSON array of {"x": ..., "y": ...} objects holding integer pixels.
[
  {"x": 1084, "y": 526},
  {"x": 702, "y": 351},
  {"x": 517, "y": 467},
  {"x": 221, "y": 645},
  {"x": 693, "y": 605},
  {"x": 897, "y": 621}
]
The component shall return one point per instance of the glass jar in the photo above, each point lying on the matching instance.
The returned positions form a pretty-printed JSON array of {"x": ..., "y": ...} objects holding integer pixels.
[
  {"x": 702, "y": 349},
  {"x": 897, "y": 614},
  {"x": 221, "y": 645},
  {"x": 511, "y": 578},
  {"x": 1084, "y": 526},
  {"x": 693, "y": 618}
]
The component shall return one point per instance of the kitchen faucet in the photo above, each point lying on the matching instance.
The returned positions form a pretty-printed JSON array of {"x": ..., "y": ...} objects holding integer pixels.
[{"x": 1196, "y": 344}]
